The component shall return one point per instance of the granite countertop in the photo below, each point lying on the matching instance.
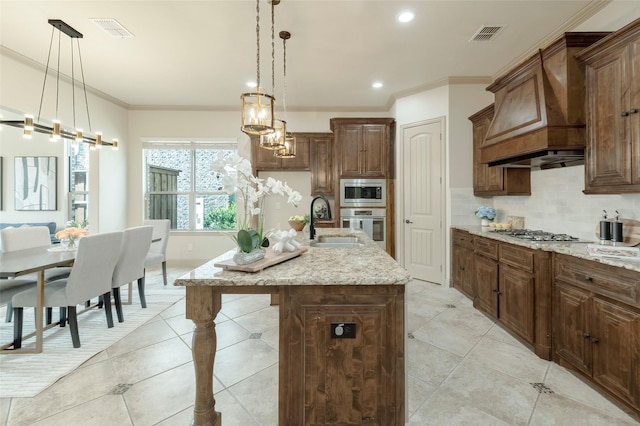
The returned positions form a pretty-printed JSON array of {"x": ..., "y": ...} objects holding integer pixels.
[
  {"x": 571, "y": 249},
  {"x": 367, "y": 265}
]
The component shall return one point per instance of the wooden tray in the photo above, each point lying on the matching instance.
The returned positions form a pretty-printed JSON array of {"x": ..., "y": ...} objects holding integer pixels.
[
  {"x": 630, "y": 230},
  {"x": 270, "y": 259}
]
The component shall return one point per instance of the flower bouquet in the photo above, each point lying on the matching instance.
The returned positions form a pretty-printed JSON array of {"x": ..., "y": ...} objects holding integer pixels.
[
  {"x": 486, "y": 214},
  {"x": 72, "y": 232},
  {"x": 237, "y": 177}
]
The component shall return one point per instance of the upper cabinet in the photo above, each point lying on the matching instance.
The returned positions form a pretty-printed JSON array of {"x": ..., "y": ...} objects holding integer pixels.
[
  {"x": 364, "y": 146},
  {"x": 489, "y": 181},
  {"x": 264, "y": 159},
  {"x": 322, "y": 169},
  {"x": 539, "y": 108},
  {"x": 612, "y": 161}
]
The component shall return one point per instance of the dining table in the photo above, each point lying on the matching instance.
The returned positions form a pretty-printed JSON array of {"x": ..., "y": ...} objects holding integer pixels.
[{"x": 36, "y": 259}]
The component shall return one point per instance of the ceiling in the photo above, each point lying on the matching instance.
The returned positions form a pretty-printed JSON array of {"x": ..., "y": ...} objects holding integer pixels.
[{"x": 200, "y": 54}]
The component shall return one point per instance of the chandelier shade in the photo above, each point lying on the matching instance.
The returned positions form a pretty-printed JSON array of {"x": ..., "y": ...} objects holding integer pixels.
[
  {"x": 257, "y": 113},
  {"x": 56, "y": 130},
  {"x": 275, "y": 140},
  {"x": 257, "y": 107},
  {"x": 289, "y": 150}
]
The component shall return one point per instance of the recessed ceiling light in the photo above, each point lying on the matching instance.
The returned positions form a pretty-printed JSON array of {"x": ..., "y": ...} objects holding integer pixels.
[
  {"x": 377, "y": 84},
  {"x": 406, "y": 16}
]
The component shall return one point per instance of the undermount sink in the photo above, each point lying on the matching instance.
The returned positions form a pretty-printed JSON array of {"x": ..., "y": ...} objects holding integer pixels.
[{"x": 326, "y": 241}]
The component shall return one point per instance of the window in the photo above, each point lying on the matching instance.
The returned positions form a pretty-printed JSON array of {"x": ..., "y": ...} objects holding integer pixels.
[
  {"x": 180, "y": 185},
  {"x": 78, "y": 181}
]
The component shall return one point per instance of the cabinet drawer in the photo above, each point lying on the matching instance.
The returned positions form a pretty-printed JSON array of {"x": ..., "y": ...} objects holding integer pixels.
[
  {"x": 517, "y": 257},
  {"x": 462, "y": 239},
  {"x": 618, "y": 283},
  {"x": 486, "y": 247}
]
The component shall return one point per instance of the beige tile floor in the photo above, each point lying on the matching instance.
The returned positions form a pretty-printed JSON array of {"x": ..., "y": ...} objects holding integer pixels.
[{"x": 462, "y": 370}]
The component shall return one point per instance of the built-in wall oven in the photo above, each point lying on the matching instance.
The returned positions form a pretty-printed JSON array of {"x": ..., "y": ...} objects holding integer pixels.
[
  {"x": 363, "y": 192},
  {"x": 371, "y": 220}
]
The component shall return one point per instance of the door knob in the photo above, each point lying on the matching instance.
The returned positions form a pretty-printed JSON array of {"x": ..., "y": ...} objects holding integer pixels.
[
  {"x": 586, "y": 335},
  {"x": 633, "y": 111},
  {"x": 407, "y": 221},
  {"x": 595, "y": 340}
]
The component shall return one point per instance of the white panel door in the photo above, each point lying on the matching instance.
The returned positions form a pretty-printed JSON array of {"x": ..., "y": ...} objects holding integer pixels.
[{"x": 423, "y": 201}]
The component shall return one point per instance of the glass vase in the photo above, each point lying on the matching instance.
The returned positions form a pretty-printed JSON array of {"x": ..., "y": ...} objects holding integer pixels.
[{"x": 243, "y": 258}]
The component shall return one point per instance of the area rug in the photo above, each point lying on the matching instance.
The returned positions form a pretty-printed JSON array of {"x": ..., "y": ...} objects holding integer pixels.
[{"x": 26, "y": 375}]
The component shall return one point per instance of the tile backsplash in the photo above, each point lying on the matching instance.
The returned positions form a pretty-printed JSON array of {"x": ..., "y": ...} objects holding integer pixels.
[{"x": 556, "y": 204}]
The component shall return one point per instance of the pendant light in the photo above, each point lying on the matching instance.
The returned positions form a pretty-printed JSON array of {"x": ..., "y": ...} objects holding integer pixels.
[
  {"x": 257, "y": 107},
  {"x": 57, "y": 131},
  {"x": 289, "y": 148},
  {"x": 275, "y": 140}
]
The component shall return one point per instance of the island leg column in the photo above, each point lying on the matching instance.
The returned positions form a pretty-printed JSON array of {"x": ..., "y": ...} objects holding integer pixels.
[{"x": 203, "y": 304}]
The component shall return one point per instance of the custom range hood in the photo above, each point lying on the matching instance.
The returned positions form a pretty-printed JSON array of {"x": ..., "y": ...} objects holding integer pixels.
[{"x": 539, "y": 120}]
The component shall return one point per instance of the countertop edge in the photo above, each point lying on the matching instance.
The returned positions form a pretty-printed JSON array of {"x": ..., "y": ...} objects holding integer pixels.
[{"x": 572, "y": 249}]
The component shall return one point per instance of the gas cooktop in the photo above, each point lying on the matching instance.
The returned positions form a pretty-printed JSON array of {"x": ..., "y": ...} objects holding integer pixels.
[{"x": 537, "y": 235}]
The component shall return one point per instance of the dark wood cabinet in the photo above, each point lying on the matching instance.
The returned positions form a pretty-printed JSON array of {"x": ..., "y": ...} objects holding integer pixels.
[
  {"x": 612, "y": 161},
  {"x": 462, "y": 264},
  {"x": 512, "y": 284},
  {"x": 264, "y": 159},
  {"x": 364, "y": 146},
  {"x": 322, "y": 168},
  {"x": 331, "y": 380},
  {"x": 539, "y": 104},
  {"x": 490, "y": 181},
  {"x": 597, "y": 325}
]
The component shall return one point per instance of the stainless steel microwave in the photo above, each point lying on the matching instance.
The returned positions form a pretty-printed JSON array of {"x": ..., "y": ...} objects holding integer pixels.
[{"x": 363, "y": 192}]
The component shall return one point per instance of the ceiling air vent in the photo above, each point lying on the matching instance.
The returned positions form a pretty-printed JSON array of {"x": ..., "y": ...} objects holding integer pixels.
[
  {"x": 112, "y": 27},
  {"x": 487, "y": 32}
]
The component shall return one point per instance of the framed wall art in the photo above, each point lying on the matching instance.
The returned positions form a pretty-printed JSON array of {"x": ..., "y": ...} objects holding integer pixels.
[{"x": 35, "y": 183}]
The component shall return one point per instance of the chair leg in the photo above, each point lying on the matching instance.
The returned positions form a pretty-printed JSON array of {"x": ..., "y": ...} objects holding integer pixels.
[
  {"x": 101, "y": 301},
  {"x": 164, "y": 272},
  {"x": 106, "y": 298},
  {"x": 49, "y": 316},
  {"x": 63, "y": 316},
  {"x": 17, "y": 328},
  {"x": 118, "y": 302},
  {"x": 143, "y": 299},
  {"x": 73, "y": 326},
  {"x": 87, "y": 303},
  {"x": 9, "y": 312}
]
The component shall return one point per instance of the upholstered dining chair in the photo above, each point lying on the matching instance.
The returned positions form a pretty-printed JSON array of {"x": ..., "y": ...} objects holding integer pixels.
[
  {"x": 90, "y": 277},
  {"x": 158, "y": 250},
  {"x": 26, "y": 237},
  {"x": 130, "y": 267}
]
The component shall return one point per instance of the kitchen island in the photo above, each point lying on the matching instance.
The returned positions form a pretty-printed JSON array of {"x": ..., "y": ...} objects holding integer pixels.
[{"x": 342, "y": 331}]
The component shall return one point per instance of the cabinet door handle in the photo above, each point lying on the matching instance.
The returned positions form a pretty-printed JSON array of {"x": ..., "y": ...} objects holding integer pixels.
[
  {"x": 586, "y": 335},
  {"x": 407, "y": 221},
  {"x": 595, "y": 340},
  {"x": 588, "y": 278},
  {"x": 624, "y": 113},
  {"x": 495, "y": 290},
  {"x": 633, "y": 111}
]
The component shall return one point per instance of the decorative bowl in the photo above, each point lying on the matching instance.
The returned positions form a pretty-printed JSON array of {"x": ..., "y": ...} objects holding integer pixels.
[{"x": 298, "y": 225}]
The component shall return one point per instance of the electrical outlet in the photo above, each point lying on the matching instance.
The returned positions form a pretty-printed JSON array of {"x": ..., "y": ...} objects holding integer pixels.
[
  {"x": 343, "y": 330},
  {"x": 189, "y": 246}
]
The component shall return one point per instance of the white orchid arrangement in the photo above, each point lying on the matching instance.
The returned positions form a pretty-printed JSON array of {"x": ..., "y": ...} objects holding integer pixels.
[{"x": 237, "y": 177}]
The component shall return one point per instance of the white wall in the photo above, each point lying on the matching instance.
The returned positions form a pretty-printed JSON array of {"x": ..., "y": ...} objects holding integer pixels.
[{"x": 21, "y": 86}]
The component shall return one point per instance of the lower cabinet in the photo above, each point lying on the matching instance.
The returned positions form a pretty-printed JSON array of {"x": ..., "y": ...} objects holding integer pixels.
[
  {"x": 462, "y": 265},
  {"x": 512, "y": 284},
  {"x": 597, "y": 325},
  {"x": 354, "y": 376}
]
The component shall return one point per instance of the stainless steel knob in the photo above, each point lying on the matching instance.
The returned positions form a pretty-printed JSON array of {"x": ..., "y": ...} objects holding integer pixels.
[{"x": 407, "y": 221}]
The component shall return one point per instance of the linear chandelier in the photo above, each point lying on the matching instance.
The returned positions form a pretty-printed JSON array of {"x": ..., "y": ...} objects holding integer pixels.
[
  {"x": 56, "y": 131},
  {"x": 257, "y": 107}
]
